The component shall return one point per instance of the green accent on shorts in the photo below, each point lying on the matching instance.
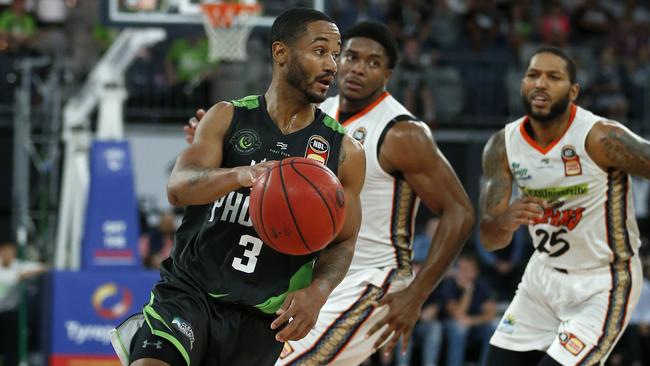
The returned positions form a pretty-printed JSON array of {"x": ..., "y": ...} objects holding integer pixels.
[{"x": 149, "y": 311}]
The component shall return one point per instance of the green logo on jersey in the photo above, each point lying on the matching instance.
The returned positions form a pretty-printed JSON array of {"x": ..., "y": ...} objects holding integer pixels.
[
  {"x": 519, "y": 172},
  {"x": 246, "y": 141},
  {"x": 557, "y": 193}
]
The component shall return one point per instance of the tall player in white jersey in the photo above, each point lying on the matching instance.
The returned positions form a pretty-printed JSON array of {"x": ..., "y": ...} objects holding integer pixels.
[
  {"x": 379, "y": 301},
  {"x": 572, "y": 169}
]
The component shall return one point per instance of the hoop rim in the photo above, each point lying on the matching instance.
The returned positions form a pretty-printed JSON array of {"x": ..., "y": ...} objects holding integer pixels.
[{"x": 222, "y": 14}]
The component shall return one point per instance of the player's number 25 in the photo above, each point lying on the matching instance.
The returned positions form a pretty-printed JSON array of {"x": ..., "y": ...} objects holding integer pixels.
[{"x": 248, "y": 264}]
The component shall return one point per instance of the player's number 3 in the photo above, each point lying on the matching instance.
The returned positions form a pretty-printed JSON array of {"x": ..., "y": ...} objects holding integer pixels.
[{"x": 248, "y": 264}]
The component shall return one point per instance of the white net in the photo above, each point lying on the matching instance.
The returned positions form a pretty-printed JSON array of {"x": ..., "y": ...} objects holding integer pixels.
[{"x": 228, "y": 28}]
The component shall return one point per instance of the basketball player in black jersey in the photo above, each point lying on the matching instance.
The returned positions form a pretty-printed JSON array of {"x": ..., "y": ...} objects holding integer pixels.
[{"x": 224, "y": 298}]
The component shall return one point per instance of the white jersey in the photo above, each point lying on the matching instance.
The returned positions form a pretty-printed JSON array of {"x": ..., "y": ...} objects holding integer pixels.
[
  {"x": 388, "y": 203},
  {"x": 592, "y": 221}
]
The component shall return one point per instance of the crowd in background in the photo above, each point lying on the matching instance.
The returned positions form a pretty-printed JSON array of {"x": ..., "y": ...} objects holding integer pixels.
[
  {"x": 461, "y": 61},
  {"x": 461, "y": 64}
]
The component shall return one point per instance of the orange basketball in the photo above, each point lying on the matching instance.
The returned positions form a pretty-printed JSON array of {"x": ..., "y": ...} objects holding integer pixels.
[{"x": 298, "y": 206}]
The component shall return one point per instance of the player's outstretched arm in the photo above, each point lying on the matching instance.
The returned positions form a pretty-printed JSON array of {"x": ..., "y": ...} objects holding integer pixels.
[
  {"x": 197, "y": 177},
  {"x": 332, "y": 265},
  {"x": 409, "y": 148},
  {"x": 498, "y": 218},
  {"x": 612, "y": 145}
]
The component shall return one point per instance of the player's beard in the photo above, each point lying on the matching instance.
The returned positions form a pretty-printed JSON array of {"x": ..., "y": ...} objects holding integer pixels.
[
  {"x": 557, "y": 109},
  {"x": 298, "y": 78}
]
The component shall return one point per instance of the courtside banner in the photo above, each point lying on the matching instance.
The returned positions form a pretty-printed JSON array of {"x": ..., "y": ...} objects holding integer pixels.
[
  {"x": 85, "y": 306},
  {"x": 111, "y": 229}
]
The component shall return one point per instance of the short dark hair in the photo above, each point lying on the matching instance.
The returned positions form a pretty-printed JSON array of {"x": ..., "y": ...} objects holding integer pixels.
[
  {"x": 571, "y": 67},
  {"x": 379, "y": 33},
  {"x": 292, "y": 24}
]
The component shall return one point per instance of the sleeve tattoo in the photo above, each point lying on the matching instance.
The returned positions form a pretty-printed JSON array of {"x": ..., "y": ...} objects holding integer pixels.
[
  {"x": 497, "y": 181},
  {"x": 626, "y": 151}
]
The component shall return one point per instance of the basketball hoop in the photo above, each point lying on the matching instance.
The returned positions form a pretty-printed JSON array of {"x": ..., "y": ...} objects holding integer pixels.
[{"x": 228, "y": 26}]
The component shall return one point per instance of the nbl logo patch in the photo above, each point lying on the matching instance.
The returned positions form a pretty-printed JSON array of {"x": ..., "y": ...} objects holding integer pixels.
[
  {"x": 571, "y": 161},
  {"x": 318, "y": 149}
]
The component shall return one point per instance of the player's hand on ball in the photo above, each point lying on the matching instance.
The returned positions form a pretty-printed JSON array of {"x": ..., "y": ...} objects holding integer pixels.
[
  {"x": 190, "y": 127},
  {"x": 246, "y": 175},
  {"x": 301, "y": 310},
  {"x": 403, "y": 313},
  {"x": 523, "y": 211}
]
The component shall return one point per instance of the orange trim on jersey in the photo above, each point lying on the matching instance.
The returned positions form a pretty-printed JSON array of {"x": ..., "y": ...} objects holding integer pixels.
[
  {"x": 363, "y": 111},
  {"x": 548, "y": 148}
]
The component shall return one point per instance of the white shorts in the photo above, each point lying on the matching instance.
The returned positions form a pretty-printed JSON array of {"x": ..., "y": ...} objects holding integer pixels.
[
  {"x": 575, "y": 317},
  {"x": 339, "y": 336}
]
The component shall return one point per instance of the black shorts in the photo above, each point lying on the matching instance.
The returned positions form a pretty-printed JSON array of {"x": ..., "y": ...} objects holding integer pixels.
[{"x": 203, "y": 331}]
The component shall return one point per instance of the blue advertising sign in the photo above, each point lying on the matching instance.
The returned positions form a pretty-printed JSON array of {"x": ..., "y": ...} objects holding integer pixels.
[
  {"x": 85, "y": 306},
  {"x": 111, "y": 229}
]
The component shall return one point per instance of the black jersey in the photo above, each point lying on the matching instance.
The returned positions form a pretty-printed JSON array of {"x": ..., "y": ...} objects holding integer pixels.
[{"x": 216, "y": 247}]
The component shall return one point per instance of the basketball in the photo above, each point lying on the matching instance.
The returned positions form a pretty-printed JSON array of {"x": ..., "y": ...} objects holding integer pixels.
[{"x": 298, "y": 206}]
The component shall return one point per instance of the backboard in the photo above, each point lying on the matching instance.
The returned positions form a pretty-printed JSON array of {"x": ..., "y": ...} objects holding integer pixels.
[{"x": 166, "y": 13}]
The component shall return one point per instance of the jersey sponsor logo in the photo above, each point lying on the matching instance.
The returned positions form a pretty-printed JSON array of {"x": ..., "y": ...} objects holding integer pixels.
[
  {"x": 545, "y": 163},
  {"x": 555, "y": 194},
  {"x": 359, "y": 134},
  {"x": 318, "y": 149},
  {"x": 286, "y": 351},
  {"x": 185, "y": 328},
  {"x": 571, "y": 161},
  {"x": 519, "y": 172},
  {"x": 571, "y": 343},
  {"x": 246, "y": 141},
  {"x": 279, "y": 149},
  {"x": 106, "y": 294}
]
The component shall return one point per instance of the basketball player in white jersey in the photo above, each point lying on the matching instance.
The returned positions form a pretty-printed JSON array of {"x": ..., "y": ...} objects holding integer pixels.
[
  {"x": 572, "y": 169},
  {"x": 379, "y": 301}
]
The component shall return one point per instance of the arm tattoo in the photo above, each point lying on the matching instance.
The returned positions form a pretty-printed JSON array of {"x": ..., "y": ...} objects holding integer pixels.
[
  {"x": 497, "y": 183},
  {"x": 332, "y": 265},
  {"x": 197, "y": 176},
  {"x": 627, "y": 152}
]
